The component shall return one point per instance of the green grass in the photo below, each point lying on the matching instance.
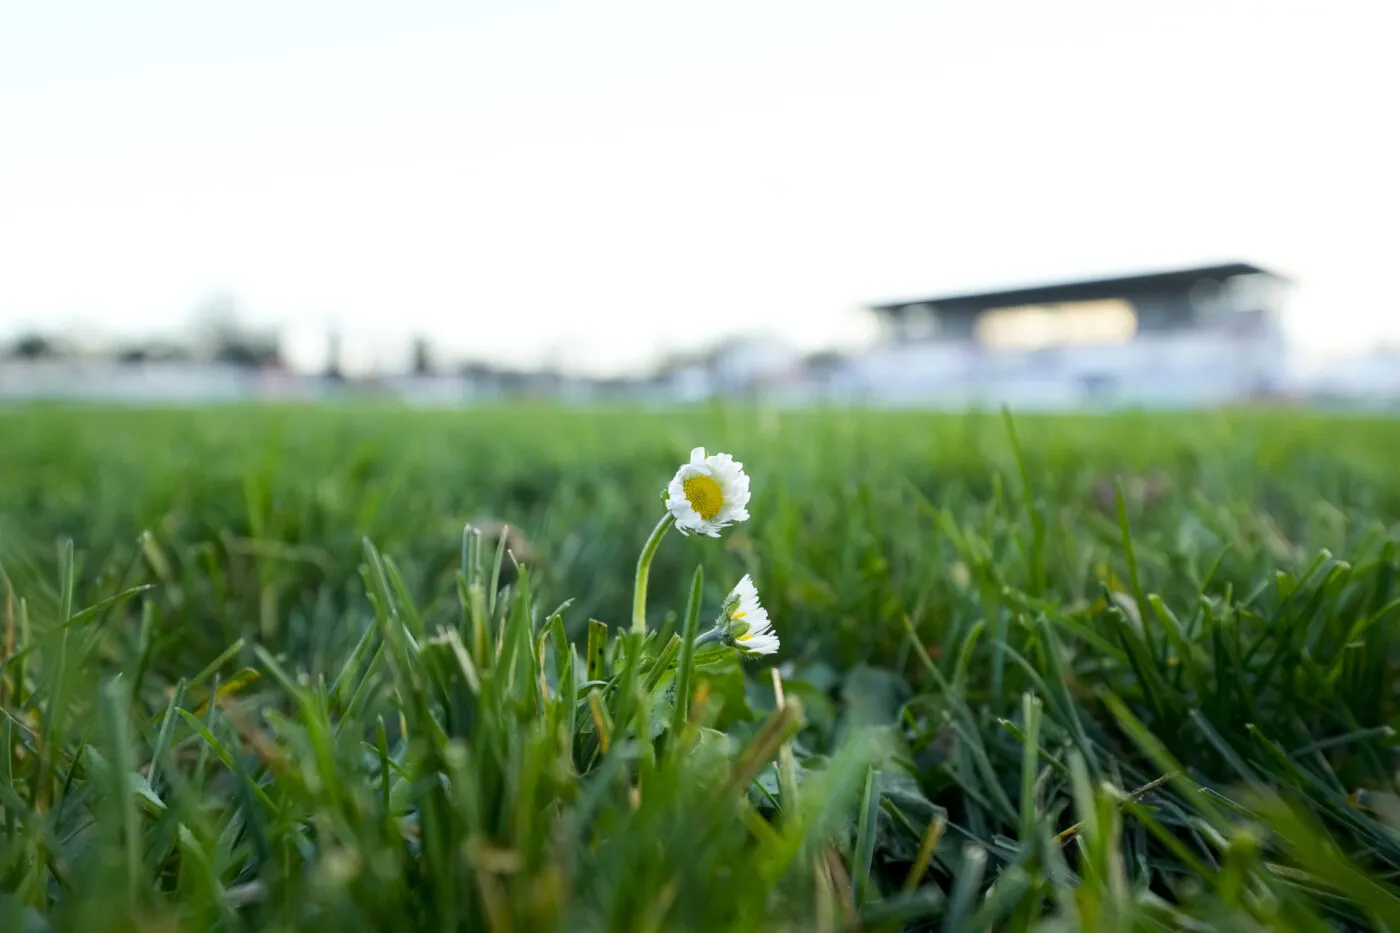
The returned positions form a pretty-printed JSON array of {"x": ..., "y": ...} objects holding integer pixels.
[{"x": 1096, "y": 673}]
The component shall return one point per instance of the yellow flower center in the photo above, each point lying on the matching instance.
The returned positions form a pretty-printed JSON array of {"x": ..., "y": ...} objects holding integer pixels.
[
  {"x": 746, "y": 636},
  {"x": 704, "y": 496}
]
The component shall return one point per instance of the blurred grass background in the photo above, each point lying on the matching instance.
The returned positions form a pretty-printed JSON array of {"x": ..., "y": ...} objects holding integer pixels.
[
  {"x": 1036, "y": 619},
  {"x": 259, "y": 513}
]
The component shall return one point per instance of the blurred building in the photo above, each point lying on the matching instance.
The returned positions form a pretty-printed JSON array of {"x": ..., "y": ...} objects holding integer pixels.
[
  {"x": 744, "y": 367},
  {"x": 1370, "y": 380},
  {"x": 1202, "y": 335}
]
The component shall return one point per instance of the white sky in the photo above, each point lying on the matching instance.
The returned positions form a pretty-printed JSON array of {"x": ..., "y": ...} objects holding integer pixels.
[{"x": 596, "y": 181}]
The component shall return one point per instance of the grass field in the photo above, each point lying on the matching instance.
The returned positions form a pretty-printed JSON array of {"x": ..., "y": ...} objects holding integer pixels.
[{"x": 1131, "y": 672}]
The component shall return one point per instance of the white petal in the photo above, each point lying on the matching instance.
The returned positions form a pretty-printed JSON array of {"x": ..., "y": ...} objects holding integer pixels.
[
  {"x": 733, "y": 483},
  {"x": 760, "y": 645},
  {"x": 744, "y": 607},
  {"x": 759, "y": 624}
]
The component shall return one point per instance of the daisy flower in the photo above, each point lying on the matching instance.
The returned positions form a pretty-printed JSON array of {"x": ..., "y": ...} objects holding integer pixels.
[
  {"x": 708, "y": 494},
  {"x": 744, "y": 614}
]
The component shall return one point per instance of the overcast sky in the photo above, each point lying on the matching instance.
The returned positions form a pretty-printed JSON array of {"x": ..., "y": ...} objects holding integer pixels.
[{"x": 597, "y": 181}]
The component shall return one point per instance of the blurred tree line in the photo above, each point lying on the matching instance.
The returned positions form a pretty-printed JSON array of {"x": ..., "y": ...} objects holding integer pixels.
[{"x": 218, "y": 336}]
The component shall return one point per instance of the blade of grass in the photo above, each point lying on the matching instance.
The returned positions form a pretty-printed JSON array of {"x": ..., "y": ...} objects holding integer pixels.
[{"x": 865, "y": 839}]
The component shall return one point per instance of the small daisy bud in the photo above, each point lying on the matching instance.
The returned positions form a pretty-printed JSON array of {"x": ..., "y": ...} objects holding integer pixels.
[{"x": 748, "y": 627}]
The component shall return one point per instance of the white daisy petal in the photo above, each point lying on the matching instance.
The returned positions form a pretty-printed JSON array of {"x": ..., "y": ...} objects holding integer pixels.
[
  {"x": 744, "y": 589},
  {"x": 743, "y": 608},
  {"x": 755, "y": 645},
  {"x": 708, "y": 494}
]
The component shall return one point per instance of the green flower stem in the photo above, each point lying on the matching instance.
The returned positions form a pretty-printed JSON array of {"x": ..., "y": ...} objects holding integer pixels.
[
  {"x": 680, "y": 708},
  {"x": 639, "y": 595},
  {"x": 714, "y": 634},
  {"x": 627, "y": 689}
]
